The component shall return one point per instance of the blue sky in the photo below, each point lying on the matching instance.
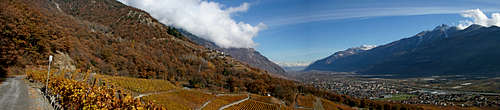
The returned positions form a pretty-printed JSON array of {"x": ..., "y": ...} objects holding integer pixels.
[{"x": 307, "y": 30}]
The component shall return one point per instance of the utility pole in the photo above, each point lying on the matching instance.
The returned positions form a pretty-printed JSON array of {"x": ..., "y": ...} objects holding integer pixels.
[{"x": 48, "y": 74}]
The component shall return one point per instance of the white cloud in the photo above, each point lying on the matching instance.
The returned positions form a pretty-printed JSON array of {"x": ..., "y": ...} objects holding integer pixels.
[
  {"x": 244, "y": 7},
  {"x": 206, "y": 19},
  {"x": 478, "y": 17},
  {"x": 350, "y": 13}
]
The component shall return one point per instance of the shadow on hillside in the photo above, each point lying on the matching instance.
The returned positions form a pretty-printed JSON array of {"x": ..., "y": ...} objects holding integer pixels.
[{"x": 3, "y": 74}]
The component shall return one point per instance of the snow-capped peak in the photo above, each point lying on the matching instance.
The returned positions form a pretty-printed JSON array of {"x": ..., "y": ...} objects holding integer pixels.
[{"x": 365, "y": 47}]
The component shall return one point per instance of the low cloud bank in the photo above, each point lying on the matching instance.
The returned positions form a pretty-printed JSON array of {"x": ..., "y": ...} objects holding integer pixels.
[
  {"x": 293, "y": 64},
  {"x": 206, "y": 19},
  {"x": 478, "y": 17}
]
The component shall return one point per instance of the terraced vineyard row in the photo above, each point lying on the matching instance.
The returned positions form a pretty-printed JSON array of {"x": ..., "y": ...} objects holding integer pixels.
[
  {"x": 254, "y": 105},
  {"x": 265, "y": 99},
  {"x": 137, "y": 84},
  {"x": 329, "y": 105},
  {"x": 180, "y": 99},
  {"x": 305, "y": 101},
  {"x": 220, "y": 101}
]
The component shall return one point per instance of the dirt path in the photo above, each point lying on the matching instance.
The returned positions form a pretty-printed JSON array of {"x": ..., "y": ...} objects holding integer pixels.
[
  {"x": 153, "y": 93},
  {"x": 318, "y": 105},
  {"x": 15, "y": 94},
  {"x": 205, "y": 104}
]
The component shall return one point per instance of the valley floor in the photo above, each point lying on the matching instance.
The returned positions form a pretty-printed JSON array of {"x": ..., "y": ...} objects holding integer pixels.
[
  {"x": 454, "y": 90},
  {"x": 17, "y": 94}
]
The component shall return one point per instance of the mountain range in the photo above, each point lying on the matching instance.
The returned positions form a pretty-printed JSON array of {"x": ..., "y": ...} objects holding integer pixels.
[
  {"x": 441, "y": 51},
  {"x": 246, "y": 55}
]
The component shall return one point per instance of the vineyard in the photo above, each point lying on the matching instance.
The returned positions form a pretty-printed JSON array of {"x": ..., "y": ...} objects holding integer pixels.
[
  {"x": 137, "y": 84},
  {"x": 329, "y": 105},
  {"x": 77, "y": 91},
  {"x": 286, "y": 108},
  {"x": 83, "y": 90},
  {"x": 222, "y": 100},
  {"x": 265, "y": 99},
  {"x": 180, "y": 99},
  {"x": 160, "y": 92},
  {"x": 305, "y": 101},
  {"x": 254, "y": 105}
]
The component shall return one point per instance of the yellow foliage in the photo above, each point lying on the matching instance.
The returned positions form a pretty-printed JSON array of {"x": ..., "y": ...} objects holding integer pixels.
[
  {"x": 74, "y": 94},
  {"x": 138, "y": 84}
]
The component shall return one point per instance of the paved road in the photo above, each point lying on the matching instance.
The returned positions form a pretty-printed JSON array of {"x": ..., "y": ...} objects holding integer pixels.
[
  {"x": 15, "y": 94},
  {"x": 234, "y": 103},
  {"x": 153, "y": 93}
]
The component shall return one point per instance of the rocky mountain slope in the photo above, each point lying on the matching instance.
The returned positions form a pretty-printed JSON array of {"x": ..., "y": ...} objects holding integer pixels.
[
  {"x": 246, "y": 55},
  {"x": 444, "y": 50},
  {"x": 338, "y": 55}
]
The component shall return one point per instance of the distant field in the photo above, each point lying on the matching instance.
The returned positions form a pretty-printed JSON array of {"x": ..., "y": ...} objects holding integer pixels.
[
  {"x": 476, "y": 84},
  {"x": 398, "y": 97},
  {"x": 488, "y": 85}
]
